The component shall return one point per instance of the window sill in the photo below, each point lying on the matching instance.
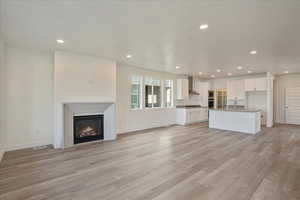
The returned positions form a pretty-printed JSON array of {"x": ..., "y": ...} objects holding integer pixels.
[
  {"x": 136, "y": 109},
  {"x": 156, "y": 108},
  {"x": 149, "y": 109},
  {"x": 161, "y": 108},
  {"x": 170, "y": 107}
]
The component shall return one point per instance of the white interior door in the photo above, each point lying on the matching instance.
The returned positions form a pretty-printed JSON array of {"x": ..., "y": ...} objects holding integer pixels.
[{"x": 292, "y": 105}]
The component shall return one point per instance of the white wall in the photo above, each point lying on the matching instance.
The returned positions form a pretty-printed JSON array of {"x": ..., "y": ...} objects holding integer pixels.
[
  {"x": 29, "y": 93},
  {"x": 132, "y": 120},
  {"x": 280, "y": 84},
  {"x": 80, "y": 78},
  {"x": 29, "y": 98},
  {"x": 83, "y": 78}
]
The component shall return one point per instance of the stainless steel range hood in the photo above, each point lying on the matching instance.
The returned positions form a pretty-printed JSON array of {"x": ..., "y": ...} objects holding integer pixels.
[{"x": 191, "y": 86}]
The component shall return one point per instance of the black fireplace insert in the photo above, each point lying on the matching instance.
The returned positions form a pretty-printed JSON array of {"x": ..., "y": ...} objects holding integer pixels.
[{"x": 88, "y": 128}]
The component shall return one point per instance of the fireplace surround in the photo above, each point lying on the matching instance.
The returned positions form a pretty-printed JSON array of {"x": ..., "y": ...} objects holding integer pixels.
[
  {"x": 87, "y": 128},
  {"x": 72, "y": 110}
]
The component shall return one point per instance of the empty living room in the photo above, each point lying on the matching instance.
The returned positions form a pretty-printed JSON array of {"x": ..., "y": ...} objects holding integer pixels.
[{"x": 149, "y": 100}]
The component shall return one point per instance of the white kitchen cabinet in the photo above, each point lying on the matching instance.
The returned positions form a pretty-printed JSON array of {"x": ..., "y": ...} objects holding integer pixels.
[
  {"x": 230, "y": 90},
  {"x": 197, "y": 86},
  {"x": 191, "y": 115},
  {"x": 250, "y": 85},
  {"x": 202, "y": 88},
  {"x": 261, "y": 84},
  {"x": 256, "y": 84},
  {"x": 240, "y": 89},
  {"x": 182, "y": 89},
  {"x": 236, "y": 90}
]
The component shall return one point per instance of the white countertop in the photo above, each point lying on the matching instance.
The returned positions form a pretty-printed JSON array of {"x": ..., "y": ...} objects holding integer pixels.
[{"x": 236, "y": 110}]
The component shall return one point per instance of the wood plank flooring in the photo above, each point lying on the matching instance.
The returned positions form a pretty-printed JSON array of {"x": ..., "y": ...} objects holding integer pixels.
[{"x": 174, "y": 163}]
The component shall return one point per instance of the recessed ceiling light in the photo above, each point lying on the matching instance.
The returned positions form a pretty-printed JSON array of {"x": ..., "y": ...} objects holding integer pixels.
[
  {"x": 249, "y": 72},
  {"x": 200, "y": 73},
  {"x": 239, "y": 67},
  {"x": 229, "y": 74},
  {"x": 128, "y": 56},
  {"x": 286, "y": 72},
  {"x": 60, "y": 41},
  {"x": 203, "y": 26},
  {"x": 218, "y": 70},
  {"x": 253, "y": 52},
  {"x": 178, "y": 67},
  {"x": 213, "y": 76}
]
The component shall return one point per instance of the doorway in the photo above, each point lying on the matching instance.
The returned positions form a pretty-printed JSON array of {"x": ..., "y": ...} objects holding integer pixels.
[{"x": 292, "y": 105}]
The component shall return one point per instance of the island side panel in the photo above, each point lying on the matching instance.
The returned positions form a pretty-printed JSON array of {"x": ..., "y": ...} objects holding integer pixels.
[{"x": 245, "y": 122}]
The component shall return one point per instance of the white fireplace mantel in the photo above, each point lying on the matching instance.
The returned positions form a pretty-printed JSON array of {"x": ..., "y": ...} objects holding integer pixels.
[{"x": 88, "y": 108}]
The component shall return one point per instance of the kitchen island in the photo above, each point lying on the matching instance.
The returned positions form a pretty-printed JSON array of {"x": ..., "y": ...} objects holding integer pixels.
[{"x": 240, "y": 120}]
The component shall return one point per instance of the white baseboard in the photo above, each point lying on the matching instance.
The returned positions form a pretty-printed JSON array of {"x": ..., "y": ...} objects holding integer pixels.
[
  {"x": 145, "y": 129},
  {"x": 25, "y": 146}
]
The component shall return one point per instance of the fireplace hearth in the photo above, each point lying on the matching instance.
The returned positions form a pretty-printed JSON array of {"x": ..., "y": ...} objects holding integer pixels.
[{"x": 88, "y": 128}]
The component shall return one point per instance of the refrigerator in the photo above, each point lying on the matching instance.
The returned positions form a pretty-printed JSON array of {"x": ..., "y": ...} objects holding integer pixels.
[{"x": 221, "y": 98}]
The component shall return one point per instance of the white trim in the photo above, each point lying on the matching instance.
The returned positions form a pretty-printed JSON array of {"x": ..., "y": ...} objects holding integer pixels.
[
  {"x": 270, "y": 99},
  {"x": 165, "y": 95},
  {"x": 25, "y": 146},
  {"x": 154, "y": 108},
  {"x": 146, "y": 129},
  {"x": 87, "y": 102},
  {"x": 141, "y": 83},
  {"x": 136, "y": 109}
]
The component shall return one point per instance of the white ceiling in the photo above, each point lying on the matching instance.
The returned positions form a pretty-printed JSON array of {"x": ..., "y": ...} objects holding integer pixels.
[{"x": 161, "y": 34}]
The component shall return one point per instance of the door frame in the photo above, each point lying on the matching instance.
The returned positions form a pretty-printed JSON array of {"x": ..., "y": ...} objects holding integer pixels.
[{"x": 285, "y": 104}]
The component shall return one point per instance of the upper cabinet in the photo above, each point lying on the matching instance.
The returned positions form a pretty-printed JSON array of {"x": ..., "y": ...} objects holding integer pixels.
[
  {"x": 236, "y": 90},
  {"x": 203, "y": 91},
  {"x": 197, "y": 86},
  {"x": 261, "y": 84},
  {"x": 182, "y": 89},
  {"x": 250, "y": 84},
  {"x": 256, "y": 84}
]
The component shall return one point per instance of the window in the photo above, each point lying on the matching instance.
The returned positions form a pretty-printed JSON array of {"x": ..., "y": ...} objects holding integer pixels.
[
  {"x": 152, "y": 93},
  {"x": 168, "y": 93},
  {"x": 136, "y": 92}
]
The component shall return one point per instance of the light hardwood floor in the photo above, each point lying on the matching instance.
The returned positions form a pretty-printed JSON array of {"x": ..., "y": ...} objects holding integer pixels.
[{"x": 174, "y": 163}]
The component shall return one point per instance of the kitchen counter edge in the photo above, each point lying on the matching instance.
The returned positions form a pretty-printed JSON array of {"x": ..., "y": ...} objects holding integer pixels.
[{"x": 236, "y": 110}]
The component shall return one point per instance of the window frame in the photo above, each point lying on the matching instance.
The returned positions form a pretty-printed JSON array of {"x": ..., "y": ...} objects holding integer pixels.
[
  {"x": 152, "y": 84},
  {"x": 140, "y": 79},
  {"x": 171, "y": 86},
  {"x": 150, "y": 81}
]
